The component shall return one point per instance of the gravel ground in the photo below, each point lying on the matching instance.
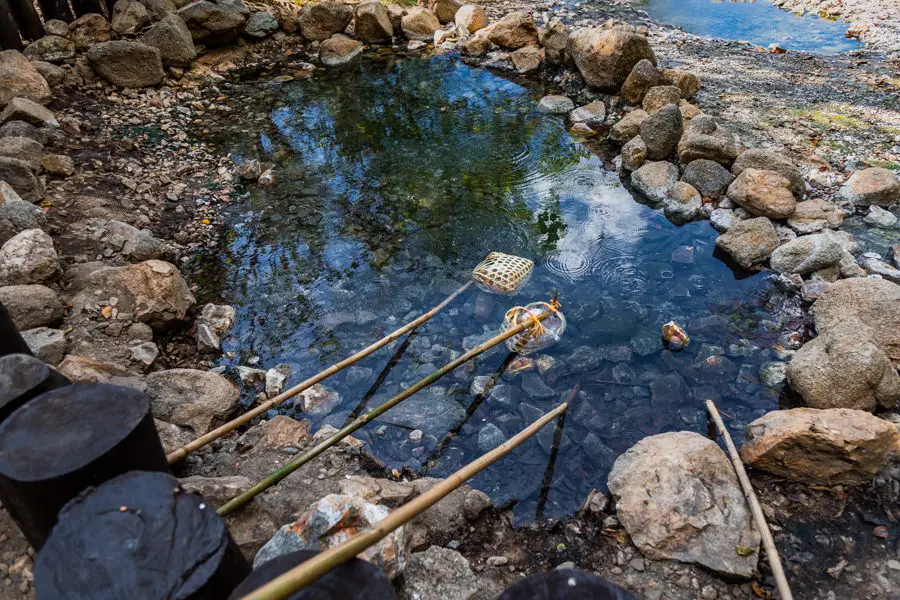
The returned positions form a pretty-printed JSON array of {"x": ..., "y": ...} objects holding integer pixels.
[{"x": 876, "y": 21}]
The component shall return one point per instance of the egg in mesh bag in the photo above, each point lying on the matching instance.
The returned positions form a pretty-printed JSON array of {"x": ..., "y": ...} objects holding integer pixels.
[{"x": 541, "y": 334}]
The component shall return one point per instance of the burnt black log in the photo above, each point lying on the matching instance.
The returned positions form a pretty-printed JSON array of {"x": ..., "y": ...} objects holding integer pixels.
[
  {"x": 565, "y": 584},
  {"x": 10, "y": 340},
  {"x": 55, "y": 9},
  {"x": 139, "y": 536},
  {"x": 68, "y": 439},
  {"x": 83, "y": 7},
  {"x": 23, "y": 377},
  {"x": 26, "y": 22},
  {"x": 354, "y": 580}
]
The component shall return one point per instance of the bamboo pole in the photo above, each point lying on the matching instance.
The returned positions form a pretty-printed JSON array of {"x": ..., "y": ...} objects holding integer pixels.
[
  {"x": 276, "y": 476},
  {"x": 758, "y": 517},
  {"x": 309, "y": 571},
  {"x": 248, "y": 416}
]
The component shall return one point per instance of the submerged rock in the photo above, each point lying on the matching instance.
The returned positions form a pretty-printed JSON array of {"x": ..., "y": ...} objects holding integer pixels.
[
  {"x": 678, "y": 498},
  {"x": 605, "y": 57},
  {"x": 821, "y": 447},
  {"x": 556, "y": 105}
]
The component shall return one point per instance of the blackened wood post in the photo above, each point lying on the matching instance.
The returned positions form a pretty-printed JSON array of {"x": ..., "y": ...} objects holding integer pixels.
[
  {"x": 67, "y": 439},
  {"x": 139, "y": 536},
  {"x": 83, "y": 7},
  {"x": 353, "y": 580},
  {"x": 10, "y": 39},
  {"x": 23, "y": 377},
  {"x": 28, "y": 19},
  {"x": 564, "y": 584},
  {"x": 10, "y": 340},
  {"x": 54, "y": 9}
]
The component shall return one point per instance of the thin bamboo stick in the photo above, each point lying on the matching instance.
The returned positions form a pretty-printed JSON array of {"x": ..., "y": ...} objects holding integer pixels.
[
  {"x": 298, "y": 461},
  {"x": 248, "y": 416},
  {"x": 309, "y": 571},
  {"x": 759, "y": 518}
]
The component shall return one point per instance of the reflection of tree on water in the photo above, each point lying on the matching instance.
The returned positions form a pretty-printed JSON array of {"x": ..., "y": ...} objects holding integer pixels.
[{"x": 398, "y": 167}]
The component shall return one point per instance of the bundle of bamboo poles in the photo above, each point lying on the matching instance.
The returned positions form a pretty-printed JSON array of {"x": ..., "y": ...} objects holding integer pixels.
[
  {"x": 488, "y": 274},
  {"x": 302, "y": 459}
]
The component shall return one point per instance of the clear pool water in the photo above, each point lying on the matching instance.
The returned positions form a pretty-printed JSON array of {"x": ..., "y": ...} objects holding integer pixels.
[
  {"x": 759, "y": 22},
  {"x": 393, "y": 181}
]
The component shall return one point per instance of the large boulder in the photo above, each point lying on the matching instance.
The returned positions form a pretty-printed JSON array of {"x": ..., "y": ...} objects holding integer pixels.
[
  {"x": 127, "y": 64},
  {"x": 339, "y": 50},
  {"x": 320, "y": 21},
  {"x": 605, "y": 57},
  {"x": 806, "y": 254},
  {"x": 373, "y": 23},
  {"x": 50, "y": 48},
  {"x": 515, "y": 30},
  {"x": 214, "y": 22},
  {"x": 709, "y": 177},
  {"x": 191, "y": 398},
  {"x": 28, "y": 257},
  {"x": 876, "y": 186},
  {"x": 471, "y": 18},
  {"x": 20, "y": 78},
  {"x": 704, "y": 138},
  {"x": 152, "y": 291},
  {"x": 654, "y": 179},
  {"x": 88, "y": 30},
  {"x": 129, "y": 17},
  {"x": 172, "y": 38},
  {"x": 749, "y": 242},
  {"x": 419, "y": 24},
  {"x": 445, "y": 10},
  {"x": 661, "y": 132},
  {"x": 769, "y": 160},
  {"x": 678, "y": 498},
  {"x": 261, "y": 24},
  {"x": 32, "y": 306},
  {"x": 844, "y": 368},
  {"x": 821, "y": 447},
  {"x": 874, "y": 302},
  {"x": 763, "y": 193},
  {"x": 331, "y": 521},
  {"x": 19, "y": 175},
  {"x": 644, "y": 75}
]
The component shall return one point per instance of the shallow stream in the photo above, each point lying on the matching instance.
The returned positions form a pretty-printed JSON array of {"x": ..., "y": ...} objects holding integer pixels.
[{"x": 393, "y": 181}]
